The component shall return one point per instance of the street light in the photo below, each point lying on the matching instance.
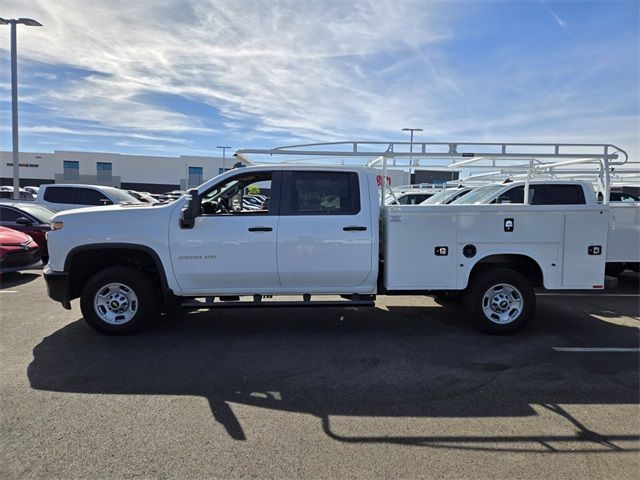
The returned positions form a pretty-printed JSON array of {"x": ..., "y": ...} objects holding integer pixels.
[
  {"x": 224, "y": 158},
  {"x": 14, "y": 96},
  {"x": 411, "y": 142}
]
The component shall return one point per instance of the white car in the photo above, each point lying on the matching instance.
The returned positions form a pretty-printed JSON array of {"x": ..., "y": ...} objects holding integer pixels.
[{"x": 60, "y": 197}]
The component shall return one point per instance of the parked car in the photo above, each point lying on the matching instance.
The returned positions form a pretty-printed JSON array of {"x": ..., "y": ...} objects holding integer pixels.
[
  {"x": 625, "y": 197},
  {"x": 7, "y": 193},
  {"x": 29, "y": 218},
  {"x": 32, "y": 190},
  {"x": 17, "y": 251},
  {"x": 60, "y": 197},
  {"x": 409, "y": 197}
]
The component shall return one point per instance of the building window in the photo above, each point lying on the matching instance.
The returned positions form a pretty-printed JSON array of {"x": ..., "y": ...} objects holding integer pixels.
[
  {"x": 104, "y": 172},
  {"x": 222, "y": 170},
  {"x": 195, "y": 177},
  {"x": 71, "y": 170}
]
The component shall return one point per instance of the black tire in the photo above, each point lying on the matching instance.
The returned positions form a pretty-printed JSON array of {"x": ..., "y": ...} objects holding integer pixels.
[
  {"x": 146, "y": 306},
  {"x": 489, "y": 280}
]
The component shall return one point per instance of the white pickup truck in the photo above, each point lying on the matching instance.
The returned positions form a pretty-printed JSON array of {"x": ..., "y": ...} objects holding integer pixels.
[{"x": 321, "y": 231}]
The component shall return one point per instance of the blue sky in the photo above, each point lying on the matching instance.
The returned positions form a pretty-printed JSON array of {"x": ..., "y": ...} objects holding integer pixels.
[{"x": 183, "y": 76}]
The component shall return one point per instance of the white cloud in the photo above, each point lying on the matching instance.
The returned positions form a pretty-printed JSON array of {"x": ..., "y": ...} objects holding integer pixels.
[{"x": 311, "y": 70}]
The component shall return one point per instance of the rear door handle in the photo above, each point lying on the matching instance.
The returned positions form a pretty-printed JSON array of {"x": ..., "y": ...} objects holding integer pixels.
[
  {"x": 260, "y": 229},
  {"x": 354, "y": 228}
]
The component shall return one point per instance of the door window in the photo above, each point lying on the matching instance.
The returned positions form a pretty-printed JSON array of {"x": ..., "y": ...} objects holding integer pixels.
[
  {"x": 322, "y": 193},
  {"x": 246, "y": 194},
  {"x": 9, "y": 215},
  {"x": 564, "y": 195},
  {"x": 88, "y": 196},
  {"x": 60, "y": 195}
]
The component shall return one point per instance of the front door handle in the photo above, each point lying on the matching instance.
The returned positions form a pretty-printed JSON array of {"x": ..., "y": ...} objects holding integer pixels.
[
  {"x": 260, "y": 229},
  {"x": 354, "y": 228}
]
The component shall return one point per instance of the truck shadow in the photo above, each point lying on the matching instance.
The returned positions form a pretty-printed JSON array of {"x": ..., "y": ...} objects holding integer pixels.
[{"x": 400, "y": 362}]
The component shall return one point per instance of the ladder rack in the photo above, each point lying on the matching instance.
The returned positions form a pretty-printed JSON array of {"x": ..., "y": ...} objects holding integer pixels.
[{"x": 526, "y": 159}]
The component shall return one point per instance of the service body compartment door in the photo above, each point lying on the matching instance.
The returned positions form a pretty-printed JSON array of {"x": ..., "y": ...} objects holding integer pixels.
[
  {"x": 419, "y": 248},
  {"x": 325, "y": 234},
  {"x": 585, "y": 248}
]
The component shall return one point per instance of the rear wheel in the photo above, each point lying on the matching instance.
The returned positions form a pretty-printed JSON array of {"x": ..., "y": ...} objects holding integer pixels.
[
  {"x": 119, "y": 301},
  {"x": 500, "y": 301}
]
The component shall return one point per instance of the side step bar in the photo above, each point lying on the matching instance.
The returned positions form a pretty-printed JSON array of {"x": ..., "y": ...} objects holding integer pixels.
[{"x": 210, "y": 303}]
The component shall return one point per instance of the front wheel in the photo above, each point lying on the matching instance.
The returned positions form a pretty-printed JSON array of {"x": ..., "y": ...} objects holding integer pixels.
[
  {"x": 118, "y": 301},
  {"x": 500, "y": 301}
]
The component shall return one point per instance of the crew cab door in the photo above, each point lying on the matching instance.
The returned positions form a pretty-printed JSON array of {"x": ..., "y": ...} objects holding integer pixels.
[
  {"x": 232, "y": 245},
  {"x": 325, "y": 233}
]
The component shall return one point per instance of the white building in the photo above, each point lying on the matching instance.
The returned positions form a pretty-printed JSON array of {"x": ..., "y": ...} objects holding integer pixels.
[
  {"x": 133, "y": 172},
  {"x": 147, "y": 173}
]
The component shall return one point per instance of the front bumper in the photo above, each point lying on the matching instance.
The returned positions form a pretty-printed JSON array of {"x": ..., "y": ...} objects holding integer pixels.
[{"x": 58, "y": 286}]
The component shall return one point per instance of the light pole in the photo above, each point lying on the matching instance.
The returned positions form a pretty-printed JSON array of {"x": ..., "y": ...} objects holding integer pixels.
[
  {"x": 14, "y": 96},
  {"x": 411, "y": 141},
  {"x": 224, "y": 158}
]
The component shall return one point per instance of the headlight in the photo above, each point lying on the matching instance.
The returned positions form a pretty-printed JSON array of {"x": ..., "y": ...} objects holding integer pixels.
[{"x": 56, "y": 225}]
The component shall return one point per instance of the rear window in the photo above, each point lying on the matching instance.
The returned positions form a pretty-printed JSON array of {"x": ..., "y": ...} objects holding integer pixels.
[
  {"x": 59, "y": 194},
  {"x": 564, "y": 195},
  {"x": 323, "y": 193}
]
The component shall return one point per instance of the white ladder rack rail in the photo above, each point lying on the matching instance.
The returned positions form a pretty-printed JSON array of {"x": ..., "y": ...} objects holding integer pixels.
[{"x": 532, "y": 156}]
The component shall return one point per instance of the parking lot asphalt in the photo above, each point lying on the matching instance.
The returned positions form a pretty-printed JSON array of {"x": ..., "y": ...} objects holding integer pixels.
[{"x": 406, "y": 390}]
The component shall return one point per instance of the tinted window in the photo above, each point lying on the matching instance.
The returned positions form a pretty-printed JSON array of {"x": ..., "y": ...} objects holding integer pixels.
[
  {"x": 60, "y": 195},
  {"x": 623, "y": 197},
  {"x": 515, "y": 195},
  {"x": 563, "y": 195},
  {"x": 88, "y": 196},
  {"x": 323, "y": 193},
  {"x": 9, "y": 214}
]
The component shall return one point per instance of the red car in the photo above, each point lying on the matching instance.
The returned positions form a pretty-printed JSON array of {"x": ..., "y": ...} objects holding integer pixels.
[
  {"x": 17, "y": 251},
  {"x": 29, "y": 218}
]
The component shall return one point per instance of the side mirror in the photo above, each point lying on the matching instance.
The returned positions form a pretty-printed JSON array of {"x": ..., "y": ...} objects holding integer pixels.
[
  {"x": 24, "y": 221},
  {"x": 191, "y": 209},
  {"x": 504, "y": 199}
]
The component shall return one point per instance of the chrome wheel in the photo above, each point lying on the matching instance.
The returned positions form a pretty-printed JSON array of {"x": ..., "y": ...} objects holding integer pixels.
[
  {"x": 502, "y": 303},
  {"x": 115, "y": 303}
]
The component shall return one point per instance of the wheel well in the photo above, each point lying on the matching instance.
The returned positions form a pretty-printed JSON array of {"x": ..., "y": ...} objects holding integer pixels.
[
  {"x": 82, "y": 265},
  {"x": 522, "y": 264}
]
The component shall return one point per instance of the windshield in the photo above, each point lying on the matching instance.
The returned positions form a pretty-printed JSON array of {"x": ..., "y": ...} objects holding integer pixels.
[
  {"x": 479, "y": 194},
  {"x": 442, "y": 197},
  {"x": 42, "y": 214},
  {"x": 120, "y": 196}
]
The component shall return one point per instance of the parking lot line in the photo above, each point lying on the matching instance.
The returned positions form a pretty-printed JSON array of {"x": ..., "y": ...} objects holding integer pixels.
[
  {"x": 587, "y": 294},
  {"x": 8, "y": 291},
  {"x": 595, "y": 349}
]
